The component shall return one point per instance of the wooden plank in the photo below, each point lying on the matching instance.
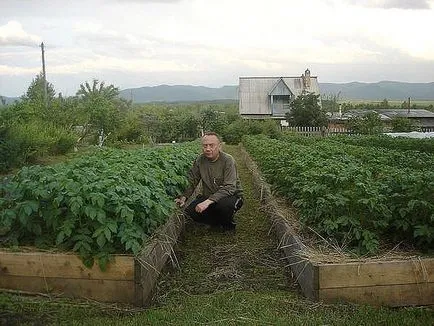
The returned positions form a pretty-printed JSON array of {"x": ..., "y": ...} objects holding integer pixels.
[
  {"x": 376, "y": 273},
  {"x": 390, "y": 295},
  {"x": 305, "y": 272},
  {"x": 63, "y": 266},
  {"x": 153, "y": 258},
  {"x": 99, "y": 290}
]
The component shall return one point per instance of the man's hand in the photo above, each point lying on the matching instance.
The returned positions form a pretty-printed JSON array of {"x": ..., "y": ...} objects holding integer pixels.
[
  {"x": 180, "y": 201},
  {"x": 203, "y": 205}
]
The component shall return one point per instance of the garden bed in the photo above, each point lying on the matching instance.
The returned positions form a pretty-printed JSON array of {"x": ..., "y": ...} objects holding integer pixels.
[
  {"x": 387, "y": 281},
  {"x": 128, "y": 279}
]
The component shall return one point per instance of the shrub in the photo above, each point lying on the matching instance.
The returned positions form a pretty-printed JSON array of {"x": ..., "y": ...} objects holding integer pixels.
[
  {"x": 236, "y": 130},
  {"x": 27, "y": 142}
]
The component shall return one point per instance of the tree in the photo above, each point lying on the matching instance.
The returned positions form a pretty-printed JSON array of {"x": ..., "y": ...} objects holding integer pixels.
[
  {"x": 370, "y": 124},
  {"x": 305, "y": 110},
  {"x": 330, "y": 103},
  {"x": 99, "y": 109},
  {"x": 36, "y": 94},
  {"x": 401, "y": 124}
]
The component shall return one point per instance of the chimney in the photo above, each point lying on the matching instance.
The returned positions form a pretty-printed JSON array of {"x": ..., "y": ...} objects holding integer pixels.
[{"x": 306, "y": 79}]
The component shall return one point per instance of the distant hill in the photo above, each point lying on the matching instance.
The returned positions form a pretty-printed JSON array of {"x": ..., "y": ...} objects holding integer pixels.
[
  {"x": 180, "y": 93},
  {"x": 347, "y": 91},
  {"x": 355, "y": 91},
  {"x": 8, "y": 100},
  {"x": 378, "y": 91}
]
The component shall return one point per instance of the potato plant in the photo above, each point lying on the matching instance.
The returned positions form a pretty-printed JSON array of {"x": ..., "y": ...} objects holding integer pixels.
[
  {"x": 108, "y": 202},
  {"x": 354, "y": 195}
]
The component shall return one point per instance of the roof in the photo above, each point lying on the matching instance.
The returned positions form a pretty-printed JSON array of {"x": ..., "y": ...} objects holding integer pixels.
[
  {"x": 280, "y": 88},
  {"x": 295, "y": 84},
  {"x": 355, "y": 113},
  {"x": 254, "y": 92},
  {"x": 405, "y": 113}
]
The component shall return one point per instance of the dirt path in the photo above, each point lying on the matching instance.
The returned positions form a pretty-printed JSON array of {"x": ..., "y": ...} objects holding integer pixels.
[{"x": 212, "y": 261}]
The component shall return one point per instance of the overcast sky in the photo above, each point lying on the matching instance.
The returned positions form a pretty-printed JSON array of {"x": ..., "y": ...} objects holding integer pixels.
[{"x": 134, "y": 43}]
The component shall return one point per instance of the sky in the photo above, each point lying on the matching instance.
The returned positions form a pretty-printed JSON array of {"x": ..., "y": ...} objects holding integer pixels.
[{"x": 136, "y": 43}]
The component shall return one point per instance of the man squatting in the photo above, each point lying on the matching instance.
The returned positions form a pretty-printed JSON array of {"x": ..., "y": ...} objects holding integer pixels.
[{"x": 221, "y": 195}]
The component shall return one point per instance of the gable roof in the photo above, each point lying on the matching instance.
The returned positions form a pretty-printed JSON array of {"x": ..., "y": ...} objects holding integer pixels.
[
  {"x": 254, "y": 92},
  {"x": 280, "y": 88}
]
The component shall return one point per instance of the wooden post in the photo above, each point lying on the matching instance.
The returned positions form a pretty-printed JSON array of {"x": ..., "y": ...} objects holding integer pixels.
[{"x": 44, "y": 75}]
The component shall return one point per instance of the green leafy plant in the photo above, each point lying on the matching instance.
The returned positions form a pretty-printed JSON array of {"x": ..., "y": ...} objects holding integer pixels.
[
  {"x": 97, "y": 205},
  {"x": 353, "y": 194}
]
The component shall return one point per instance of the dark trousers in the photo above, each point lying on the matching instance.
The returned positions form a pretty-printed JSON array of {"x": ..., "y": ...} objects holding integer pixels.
[{"x": 219, "y": 213}]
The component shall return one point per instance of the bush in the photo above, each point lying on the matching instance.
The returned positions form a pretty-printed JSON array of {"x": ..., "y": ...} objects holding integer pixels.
[
  {"x": 27, "y": 142},
  {"x": 401, "y": 124},
  {"x": 236, "y": 130}
]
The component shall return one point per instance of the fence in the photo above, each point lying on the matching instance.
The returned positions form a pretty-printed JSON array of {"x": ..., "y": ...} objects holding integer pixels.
[
  {"x": 317, "y": 131},
  {"x": 323, "y": 131}
]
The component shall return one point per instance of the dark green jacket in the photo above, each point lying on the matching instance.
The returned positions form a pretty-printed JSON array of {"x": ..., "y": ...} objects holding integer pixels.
[{"x": 219, "y": 178}]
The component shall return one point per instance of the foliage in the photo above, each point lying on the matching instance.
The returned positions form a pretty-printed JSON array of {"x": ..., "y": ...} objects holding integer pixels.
[
  {"x": 234, "y": 132},
  {"x": 386, "y": 142},
  {"x": 305, "y": 110},
  {"x": 330, "y": 102},
  {"x": 162, "y": 123},
  {"x": 36, "y": 95},
  {"x": 97, "y": 104},
  {"x": 24, "y": 143},
  {"x": 370, "y": 124},
  {"x": 401, "y": 124},
  {"x": 96, "y": 205},
  {"x": 354, "y": 195}
]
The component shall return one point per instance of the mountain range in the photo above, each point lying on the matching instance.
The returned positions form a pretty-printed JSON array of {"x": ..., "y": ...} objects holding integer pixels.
[
  {"x": 389, "y": 90},
  {"x": 8, "y": 100},
  {"x": 346, "y": 91}
]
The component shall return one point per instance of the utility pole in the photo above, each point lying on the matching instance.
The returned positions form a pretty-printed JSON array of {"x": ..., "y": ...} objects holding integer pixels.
[{"x": 44, "y": 76}]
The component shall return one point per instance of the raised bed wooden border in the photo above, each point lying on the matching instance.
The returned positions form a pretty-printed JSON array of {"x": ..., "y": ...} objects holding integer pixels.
[
  {"x": 128, "y": 279},
  {"x": 406, "y": 282}
]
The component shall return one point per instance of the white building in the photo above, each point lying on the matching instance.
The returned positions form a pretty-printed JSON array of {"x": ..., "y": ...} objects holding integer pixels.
[{"x": 269, "y": 97}]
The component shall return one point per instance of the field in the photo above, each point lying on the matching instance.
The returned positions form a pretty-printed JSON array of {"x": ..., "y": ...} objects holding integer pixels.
[
  {"x": 221, "y": 279},
  {"x": 355, "y": 191},
  {"x": 421, "y": 103}
]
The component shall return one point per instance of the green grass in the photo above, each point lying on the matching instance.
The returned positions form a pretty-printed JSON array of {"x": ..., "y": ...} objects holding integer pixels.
[{"x": 222, "y": 279}]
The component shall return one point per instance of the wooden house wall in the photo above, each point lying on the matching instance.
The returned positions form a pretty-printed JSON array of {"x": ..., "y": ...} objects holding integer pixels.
[{"x": 254, "y": 92}]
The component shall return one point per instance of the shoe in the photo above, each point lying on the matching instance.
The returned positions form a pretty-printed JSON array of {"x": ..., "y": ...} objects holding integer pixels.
[{"x": 229, "y": 227}]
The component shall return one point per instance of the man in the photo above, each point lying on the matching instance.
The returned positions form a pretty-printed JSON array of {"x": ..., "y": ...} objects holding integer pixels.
[{"x": 221, "y": 194}]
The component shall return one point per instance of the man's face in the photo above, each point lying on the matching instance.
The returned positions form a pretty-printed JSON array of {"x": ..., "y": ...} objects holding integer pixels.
[{"x": 211, "y": 147}]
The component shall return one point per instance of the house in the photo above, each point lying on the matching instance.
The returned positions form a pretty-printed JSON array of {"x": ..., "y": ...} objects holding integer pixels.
[
  {"x": 270, "y": 97},
  {"x": 420, "y": 117},
  {"x": 339, "y": 119},
  {"x": 424, "y": 119}
]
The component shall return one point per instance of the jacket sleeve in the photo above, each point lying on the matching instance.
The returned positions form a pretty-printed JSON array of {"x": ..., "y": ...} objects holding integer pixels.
[
  {"x": 229, "y": 186},
  {"x": 193, "y": 179}
]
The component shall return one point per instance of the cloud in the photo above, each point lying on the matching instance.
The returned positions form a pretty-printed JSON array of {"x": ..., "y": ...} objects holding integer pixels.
[
  {"x": 394, "y": 4},
  {"x": 145, "y": 1},
  {"x": 15, "y": 71},
  {"x": 13, "y": 34},
  {"x": 101, "y": 63}
]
